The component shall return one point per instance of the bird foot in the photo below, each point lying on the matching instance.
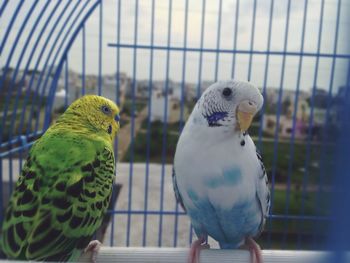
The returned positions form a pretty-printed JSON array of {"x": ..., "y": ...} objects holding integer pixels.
[
  {"x": 93, "y": 247},
  {"x": 255, "y": 250},
  {"x": 196, "y": 247}
]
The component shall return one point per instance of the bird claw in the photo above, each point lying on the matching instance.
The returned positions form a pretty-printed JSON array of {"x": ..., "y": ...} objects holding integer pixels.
[
  {"x": 255, "y": 250},
  {"x": 93, "y": 247},
  {"x": 196, "y": 247}
]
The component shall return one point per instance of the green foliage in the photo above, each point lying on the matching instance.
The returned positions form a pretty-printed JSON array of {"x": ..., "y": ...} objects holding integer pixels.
[
  {"x": 158, "y": 125},
  {"x": 297, "y": 172},
  {"x": 310, "y": 202},
  {"x": 156, "y": 147},
  {"x": 305, "y": 162}
]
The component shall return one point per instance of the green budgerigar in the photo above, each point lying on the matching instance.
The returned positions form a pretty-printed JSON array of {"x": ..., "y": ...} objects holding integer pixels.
[{"x": 65, "y": 185}]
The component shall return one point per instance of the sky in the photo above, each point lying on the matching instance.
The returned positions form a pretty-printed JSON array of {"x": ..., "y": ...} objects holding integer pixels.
[{"x": 280, "y": 71}]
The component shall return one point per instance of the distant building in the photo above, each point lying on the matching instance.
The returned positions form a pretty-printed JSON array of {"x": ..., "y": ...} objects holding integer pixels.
[
  {"x": 73, "y": 83},
  {"x": 173, "y": 88},
  {"x": 286, "y": 121},
  {"x": 322, "y": 106},
  {"x": 173, "y": 107},
  {"x": 272, "y": 95},
  {"x": 320, "y": 98},
  {"x": 115, "y": 86},
  {"x": 143, "y": 89},
  {"x": 194, "y": 91},
  {"x": 15, "y": 86},
  {"x": 113, "y": 81}
]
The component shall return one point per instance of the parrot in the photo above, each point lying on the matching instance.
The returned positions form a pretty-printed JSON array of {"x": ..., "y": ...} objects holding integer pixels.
[
  {"x": 65, "y": 185},
  {"x": 218, "y": 176}
]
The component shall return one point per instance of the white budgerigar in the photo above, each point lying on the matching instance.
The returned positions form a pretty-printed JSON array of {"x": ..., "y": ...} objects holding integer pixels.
[{"x": 219, "y": 177}]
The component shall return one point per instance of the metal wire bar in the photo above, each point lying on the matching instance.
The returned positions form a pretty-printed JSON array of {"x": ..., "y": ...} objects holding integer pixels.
[
  {"x": 148, "y": 145},
  {"x": 311, "y": 118},
  {"x": 2, "y": 8},
  {"x": 100, "y": 36},
  {"x": 171, "y": 212},
  {"x": 266, "y": 71},
  {"x": 51, "y": 68},
  {"x": 15, "y": 150},
  {"x": 233, "y": 65},
  {"x": 62, "y": 61},
  {"x": 34, "y": 48},
  {"x": 132, "y": 131},
  {"x": 218, "y": 36},
  {"x": 325, "y": 137},
  {"x": 199, "y": 87},
  {"x": 118, "y": 27},
  {"x": 66, "y": 83},
  {"x": 9, "y": 27},
  {"x": 9, "y": 58},
  {"x": 201, "y": 53},
  {"x": 9, "y": 93},
  {"x": 339, "y": 231},
  {"x": 18, "y": 140},
  {"x": 278, "y": 114},
  {"x": 182, "y": 102},
  {"x": 165, "y": 121},
  {"x": 252, "y": 42},
  {"x": 295, "y": 112},
  {"x": 38, "y": 60},
  {"x": 12, "y": 83},
  {"x": 1, "y": 189},
  {"x": 83, "y": 60},
  {"x": 233, "y": 51}
]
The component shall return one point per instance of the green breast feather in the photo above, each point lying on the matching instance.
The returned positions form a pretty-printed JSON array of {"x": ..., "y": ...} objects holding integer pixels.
[{"x": 60, "y": 198}]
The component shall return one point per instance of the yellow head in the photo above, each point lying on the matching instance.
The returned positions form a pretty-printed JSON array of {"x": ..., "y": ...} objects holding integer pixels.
[{"x": 101, "y": 113}]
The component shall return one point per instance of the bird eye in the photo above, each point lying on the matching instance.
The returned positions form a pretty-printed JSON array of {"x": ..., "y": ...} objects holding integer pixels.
[
  {"x": 227, "y": 92},
  {"x": 106, "y": 110}
]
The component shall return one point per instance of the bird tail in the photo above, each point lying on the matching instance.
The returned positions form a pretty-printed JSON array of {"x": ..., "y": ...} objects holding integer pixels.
[{"x": 2, "y": 255}]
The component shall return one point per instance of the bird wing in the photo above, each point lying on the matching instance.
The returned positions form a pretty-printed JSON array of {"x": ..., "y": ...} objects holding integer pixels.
[
  {"x": 263, "y": 192},
  {"x": 59, "y": 200},
  {"x": 176, "y": 191}
]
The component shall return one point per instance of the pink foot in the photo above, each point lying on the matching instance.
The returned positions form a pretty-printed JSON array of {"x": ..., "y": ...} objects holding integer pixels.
[
  {"x": 255, "y": 251},
  {"x": 93, "y": 247},
  {"x": 196, "y": 247}
]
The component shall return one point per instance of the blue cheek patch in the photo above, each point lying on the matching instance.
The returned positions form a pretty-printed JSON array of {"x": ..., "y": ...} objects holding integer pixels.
[
  {"x": 215, "y": 117},
  {"x": 117, "y": 117},
  {"x": 230, "y": 177}
]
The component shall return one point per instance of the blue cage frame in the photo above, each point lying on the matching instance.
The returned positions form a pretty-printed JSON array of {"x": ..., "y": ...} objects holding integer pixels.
[{"x": 66, "y": 20}]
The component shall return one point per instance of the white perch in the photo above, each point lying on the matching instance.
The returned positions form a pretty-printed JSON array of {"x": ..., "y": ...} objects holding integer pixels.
[{"x": 179, "y": 255}]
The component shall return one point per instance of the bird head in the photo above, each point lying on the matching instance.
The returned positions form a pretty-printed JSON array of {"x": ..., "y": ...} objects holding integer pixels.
[
  {"x": 99, "y": 112},
  {"x": 230, "y": 104}
]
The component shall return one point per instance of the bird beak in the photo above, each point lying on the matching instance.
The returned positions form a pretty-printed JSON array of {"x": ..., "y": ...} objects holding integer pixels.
[
  {"x": 245, "y": 113},
  {"x": 117, "y": 119}
]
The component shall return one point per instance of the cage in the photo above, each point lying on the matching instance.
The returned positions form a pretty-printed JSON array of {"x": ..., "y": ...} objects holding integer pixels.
[{"x": 155, "y": 58}]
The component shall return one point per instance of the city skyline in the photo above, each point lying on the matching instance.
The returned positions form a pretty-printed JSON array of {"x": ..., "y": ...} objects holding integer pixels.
[{"x": 216, "y": 65}]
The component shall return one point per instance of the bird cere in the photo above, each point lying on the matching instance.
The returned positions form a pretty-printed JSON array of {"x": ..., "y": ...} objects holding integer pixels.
[
  {"x": 226, "y": 195},
  {"x": 65, "y": 186}
]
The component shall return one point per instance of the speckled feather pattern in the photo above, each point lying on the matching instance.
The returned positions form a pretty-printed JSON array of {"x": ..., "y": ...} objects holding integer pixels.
[{"x": 61, "y": 195}]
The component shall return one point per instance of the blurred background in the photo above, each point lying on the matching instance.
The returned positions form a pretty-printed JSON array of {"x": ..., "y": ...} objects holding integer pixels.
[{"x": 155, "y": 58}]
